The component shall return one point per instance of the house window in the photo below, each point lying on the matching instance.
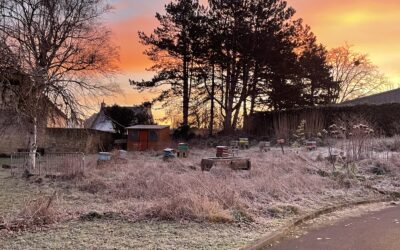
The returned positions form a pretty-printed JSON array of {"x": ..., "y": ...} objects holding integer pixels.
[
  {"x": 153, "y": 136},
  {"x": 134, "y": 135}
]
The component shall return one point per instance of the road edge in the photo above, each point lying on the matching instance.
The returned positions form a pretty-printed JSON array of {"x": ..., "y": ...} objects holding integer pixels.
[{"x": 270, "y": 238}]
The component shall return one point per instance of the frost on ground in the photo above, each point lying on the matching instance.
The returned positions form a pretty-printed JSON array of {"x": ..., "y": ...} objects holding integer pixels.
[{"x": 150, "y": 203}]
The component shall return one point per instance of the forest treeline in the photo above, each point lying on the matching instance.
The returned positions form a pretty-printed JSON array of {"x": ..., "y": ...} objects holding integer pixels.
[{"x": 218, "y": 63}]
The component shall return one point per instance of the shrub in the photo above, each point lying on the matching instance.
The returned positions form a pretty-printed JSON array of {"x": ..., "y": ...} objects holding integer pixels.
[
  {"x": 241, "y": 215},
  {"x": 183, "y": 132},
  {"x": 380, "y": 168},
  {"x": 282, "y": 211},
  {"x": 189, "y": 207},
  {"x": 37, "y": 212},
  {"x": 387, "y": 144},
  {"x": 93, "y": 186},
  {"x": 300, "y": 135}
]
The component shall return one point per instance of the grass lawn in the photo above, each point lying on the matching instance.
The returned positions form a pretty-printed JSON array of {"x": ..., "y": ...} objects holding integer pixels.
[
  {"x": 174, "y": 205},
  {"x": 122, "y": 235},
  {"x": 114, "y": 234},
  {"x": 13, "y": 192}
]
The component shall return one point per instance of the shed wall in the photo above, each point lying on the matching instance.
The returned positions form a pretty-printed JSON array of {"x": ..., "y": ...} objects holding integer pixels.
[{"x": 163, "y": 139}]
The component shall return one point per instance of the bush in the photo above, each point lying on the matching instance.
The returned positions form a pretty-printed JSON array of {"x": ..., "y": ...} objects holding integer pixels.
[
  {"x": 282, "y": 211},
  {"x": 38, "y": 212},
  {"x": 241, "y": 215},
  {"x": 93, "y": 186},
  {"x": 380, "y": 169},
  {"x": 183, "y": 133},
  {"x": 387, "y": 144},
  {"x": 190, "y": 207}
]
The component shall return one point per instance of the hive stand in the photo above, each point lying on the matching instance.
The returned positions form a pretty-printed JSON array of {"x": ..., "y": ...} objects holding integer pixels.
[
  {"x": 244, "y": 143},
  {"x": 234, "y": 148},
  {"x": 235, "y": 163},
  {"x": 311, "y": 145},
  {"x": 183, "y": 150},
  {"x": 264, "y": 146},
  {"x": 182, "y": 154}
]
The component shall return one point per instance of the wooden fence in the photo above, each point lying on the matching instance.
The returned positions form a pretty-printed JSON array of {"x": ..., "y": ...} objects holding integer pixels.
[{"x": 385, "y": 119}]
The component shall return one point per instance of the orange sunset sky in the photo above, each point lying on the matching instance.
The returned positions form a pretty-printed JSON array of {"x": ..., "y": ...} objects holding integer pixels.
[{"x": 372, "y": 26}]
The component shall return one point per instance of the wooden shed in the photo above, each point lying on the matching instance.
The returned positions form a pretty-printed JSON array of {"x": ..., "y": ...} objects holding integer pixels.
[{"x": 148, "y": 137}]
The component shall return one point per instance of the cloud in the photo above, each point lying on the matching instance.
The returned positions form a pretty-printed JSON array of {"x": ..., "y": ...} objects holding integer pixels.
[
  {"x": 126, "y": 9},
  {"x": 371, "y": 26}
]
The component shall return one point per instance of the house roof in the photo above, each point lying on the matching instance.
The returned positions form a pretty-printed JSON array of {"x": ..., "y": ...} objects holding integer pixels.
[
  {"x": 392, "y": 96},
  {"x": 156, "y": 127},
  {"x": 100, "y": 121}
]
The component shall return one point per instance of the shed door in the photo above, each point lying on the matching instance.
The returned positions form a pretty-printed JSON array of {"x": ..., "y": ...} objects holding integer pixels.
[{"x": 143, "y": 140}]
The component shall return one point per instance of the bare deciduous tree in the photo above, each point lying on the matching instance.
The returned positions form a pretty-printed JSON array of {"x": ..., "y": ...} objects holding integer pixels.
[
  {"x": 60, "y": 47},
  {"x": 354, "y": 71}
]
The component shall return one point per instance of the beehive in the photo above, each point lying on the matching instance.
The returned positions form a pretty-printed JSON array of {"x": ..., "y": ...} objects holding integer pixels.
[
  {"x": 183, "y": 150},
  {"x": 222, "y": 151}
]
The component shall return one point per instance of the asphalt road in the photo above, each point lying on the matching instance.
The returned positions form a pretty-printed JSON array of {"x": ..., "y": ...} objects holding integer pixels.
[{"x": 374, "y": 231}]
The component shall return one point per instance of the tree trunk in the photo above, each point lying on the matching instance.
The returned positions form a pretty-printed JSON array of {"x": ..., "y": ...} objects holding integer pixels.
[
  {"x": 228, "y": 122},
  {"x": 243, "y": 97},
  {"x": 254, "y": 90},
  {"x": 211, "y": 127},
  {"x": 185, "y": 92},
  {"x": 232, "y": 118},
  {"x": 245, "y": 107},
  {"x": 228, "y": 107},
  {"x": 236, "y": 118},
  {"x": 33, "y": 146},
  {"x": 222, "y": 90},
  {"x": 245, "y": 114},
  {"x": 312, "y": 93}
]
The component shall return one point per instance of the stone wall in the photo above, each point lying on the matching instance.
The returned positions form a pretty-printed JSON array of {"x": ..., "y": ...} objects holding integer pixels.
[
  {"x": 77, "y": 140},
  {"x": 16, "y": 134},
  {"x": 55, "y": 140}
]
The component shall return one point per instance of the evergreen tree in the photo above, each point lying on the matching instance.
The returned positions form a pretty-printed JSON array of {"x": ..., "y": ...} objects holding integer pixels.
[
  {"x": 172, "y": 49},
  {"x": 236, "y": 57}
]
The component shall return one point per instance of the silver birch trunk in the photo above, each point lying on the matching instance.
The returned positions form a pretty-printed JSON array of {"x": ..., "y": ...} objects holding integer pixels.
[{"x": 33, "y": 146}]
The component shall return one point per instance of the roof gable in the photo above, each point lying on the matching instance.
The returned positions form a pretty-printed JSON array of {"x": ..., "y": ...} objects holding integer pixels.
[
  {"x": 392, "y": 96},
  {"x": 101, "y": 120}
]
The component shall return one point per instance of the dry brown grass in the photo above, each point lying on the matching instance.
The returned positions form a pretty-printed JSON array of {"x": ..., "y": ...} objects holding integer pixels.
[
  {"x": 37, "y": 212},
  {"x": 278, "y": 186},
  {"x": 178, "y": 190}
]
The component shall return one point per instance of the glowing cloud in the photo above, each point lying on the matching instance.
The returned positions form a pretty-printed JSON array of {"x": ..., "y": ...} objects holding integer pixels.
[{"x": 371, "y": 26}]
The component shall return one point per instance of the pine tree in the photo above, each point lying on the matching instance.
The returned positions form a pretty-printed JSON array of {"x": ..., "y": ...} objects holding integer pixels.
[
  {"x": 236, "y": 57},
  {"x": 172, "y": 48}
]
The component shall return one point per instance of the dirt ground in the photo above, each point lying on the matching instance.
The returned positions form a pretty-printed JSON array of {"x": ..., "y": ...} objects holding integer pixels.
[{"x": 154, "y": 214}]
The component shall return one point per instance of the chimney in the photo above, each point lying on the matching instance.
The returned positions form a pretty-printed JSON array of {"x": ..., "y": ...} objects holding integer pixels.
[
  {"x": 102, "y": 105},
  {"x": 147, "y": 105}
]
